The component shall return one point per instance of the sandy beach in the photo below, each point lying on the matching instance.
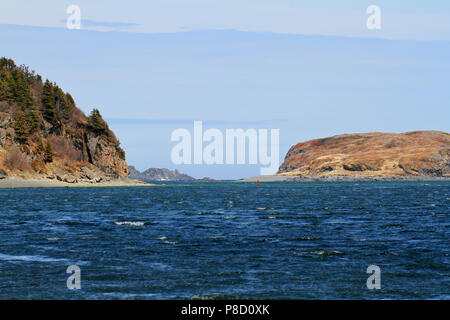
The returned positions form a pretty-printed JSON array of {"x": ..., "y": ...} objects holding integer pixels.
[{"x": 14, "y": 182}]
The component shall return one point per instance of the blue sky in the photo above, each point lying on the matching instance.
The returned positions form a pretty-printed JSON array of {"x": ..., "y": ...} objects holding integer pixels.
[
  {"x": 401, "y": 19},
  {"x": 276, "y": 72}
]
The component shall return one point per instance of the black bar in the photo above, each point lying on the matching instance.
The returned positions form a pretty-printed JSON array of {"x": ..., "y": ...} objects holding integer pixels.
[{"x": 222, "y": 309}]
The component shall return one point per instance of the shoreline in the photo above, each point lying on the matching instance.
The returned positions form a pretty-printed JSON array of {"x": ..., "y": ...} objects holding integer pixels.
[
  {"x": 278, "y": 178},
  {"x": 15, "y": 182}
]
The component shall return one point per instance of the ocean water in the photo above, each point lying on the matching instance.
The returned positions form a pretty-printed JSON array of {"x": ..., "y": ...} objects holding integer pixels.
[{"x": 308, "y": 240}]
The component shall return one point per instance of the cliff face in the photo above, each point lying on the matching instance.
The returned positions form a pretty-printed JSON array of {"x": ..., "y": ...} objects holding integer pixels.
[
  {"x": 44, "y": 135},
  {"x": 418, "y": 153},
  {"x": 159, "y": 174}
]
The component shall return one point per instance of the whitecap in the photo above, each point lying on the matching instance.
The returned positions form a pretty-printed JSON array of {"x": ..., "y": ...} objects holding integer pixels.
[
  {"x": 130, "y": 223},
  {"x": 328, "y": 253},
  {"x": 7, "y": 257},
  {"x": 358, "y": 239},
  {"x": 217, "y": 237},
  {"x": 170, "y": 242}
]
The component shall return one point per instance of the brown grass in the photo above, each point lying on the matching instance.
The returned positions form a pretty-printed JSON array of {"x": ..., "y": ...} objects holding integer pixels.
[
  {"x": 64, "y": 150},
  {"x": 370, "y": 154},
  {"x": 38, "y": 166},
  {"x": 16, "y": 159}
]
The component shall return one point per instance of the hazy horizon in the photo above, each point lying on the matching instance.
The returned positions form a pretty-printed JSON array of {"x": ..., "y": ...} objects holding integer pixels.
[{"x": 147, "y": 85}]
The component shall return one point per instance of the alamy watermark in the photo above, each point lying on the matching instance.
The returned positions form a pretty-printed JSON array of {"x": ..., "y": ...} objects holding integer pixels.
[
  {"x": 233, "y": 152},
  {"x": 374, "y": 280},
  {"x": 74, "y": 280},
  {"x": 374, "y": 20},
  {"x": 74, "y": 20}
]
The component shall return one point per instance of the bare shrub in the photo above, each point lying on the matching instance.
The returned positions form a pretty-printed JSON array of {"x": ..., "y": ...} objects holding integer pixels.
[
  {"x": 16, "y": 159},
  {"x": 4, "y": 106},
  {"x": 78, "y": 117},
  {"x": 64, "y": 150}
]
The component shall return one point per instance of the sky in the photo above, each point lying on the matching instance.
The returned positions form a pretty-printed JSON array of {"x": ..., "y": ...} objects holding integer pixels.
[
  {"x": 308, "y": 68},
  {"x": 402, "y": 19}
]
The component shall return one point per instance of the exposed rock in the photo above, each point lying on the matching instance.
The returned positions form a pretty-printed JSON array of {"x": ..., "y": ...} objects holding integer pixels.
[
  {"x": 70, "y": 179},
  {"x": 105, "y": 156},
  {"x": 87, "y": 173},
  {"x": 6, "y": 124},
  {"x": 417, "y": 153}
]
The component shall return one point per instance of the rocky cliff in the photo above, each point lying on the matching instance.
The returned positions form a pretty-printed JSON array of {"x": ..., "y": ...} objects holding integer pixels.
[
  {"x": 417, "y": 153},
  {"x": 44, "y": 135},
  {"x": 159, "y": 174}
]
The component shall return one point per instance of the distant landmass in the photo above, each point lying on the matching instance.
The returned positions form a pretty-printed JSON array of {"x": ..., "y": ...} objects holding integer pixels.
[
  {"x": 158, "y": 174},
  {"x": 43, "y": 135},
  {"x": 410, "y": 154}
]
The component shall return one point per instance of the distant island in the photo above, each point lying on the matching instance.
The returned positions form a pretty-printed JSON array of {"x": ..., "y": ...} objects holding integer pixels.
[
  {"x": 159, "y": 174},
  {"x": 416, "y": 155},
  {"x": 44, "y": 136}
]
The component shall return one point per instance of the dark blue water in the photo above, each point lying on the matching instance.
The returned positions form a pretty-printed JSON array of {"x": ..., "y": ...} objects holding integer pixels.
[{"x": 227, "y": 240}]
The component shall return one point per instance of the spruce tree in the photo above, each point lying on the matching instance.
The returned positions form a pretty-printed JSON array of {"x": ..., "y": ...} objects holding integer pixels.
[
  {"x": 32, "y": 119},
  {"x": 21, "y": 127},
  {"x": 48, "y": 156},
  {"x": 21, "y": 89},
  {"x": 48, "y": 102},
  {"x": 96, "y": 122}
]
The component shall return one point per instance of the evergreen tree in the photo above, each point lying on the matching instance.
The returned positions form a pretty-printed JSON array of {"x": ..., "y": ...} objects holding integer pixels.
[
  {"x": 32, "y": 118},
  {"x": 6, "y": 85},
  {"x": 21, "y": 127},
  {"x": 70, "y": 100},
  {"x": 4, "y": 89},
  {"x": 40, "y": 146},
  {"x": 48, "y": 156},
  {"x": 48, "y": 103},
  {"x": 6, "y": 63},
  {"x": 96, "y": 122},
  {"x": 20, "y": 88},
  {"x": 65, "y": 103}
]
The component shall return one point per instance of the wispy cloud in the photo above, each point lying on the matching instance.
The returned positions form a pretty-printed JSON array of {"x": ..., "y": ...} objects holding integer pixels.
[
  {"x": 108, "y": 24},
  {"x": 116, "y": 25},
  {"x": 171, "y": 122}
]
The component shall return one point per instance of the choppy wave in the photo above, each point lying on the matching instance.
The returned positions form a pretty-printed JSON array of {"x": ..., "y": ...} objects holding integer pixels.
[
  {"x": 30, "y": 258},
  {"x": 130, "y": 223},
  {"x": 204, "y": 249}
]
